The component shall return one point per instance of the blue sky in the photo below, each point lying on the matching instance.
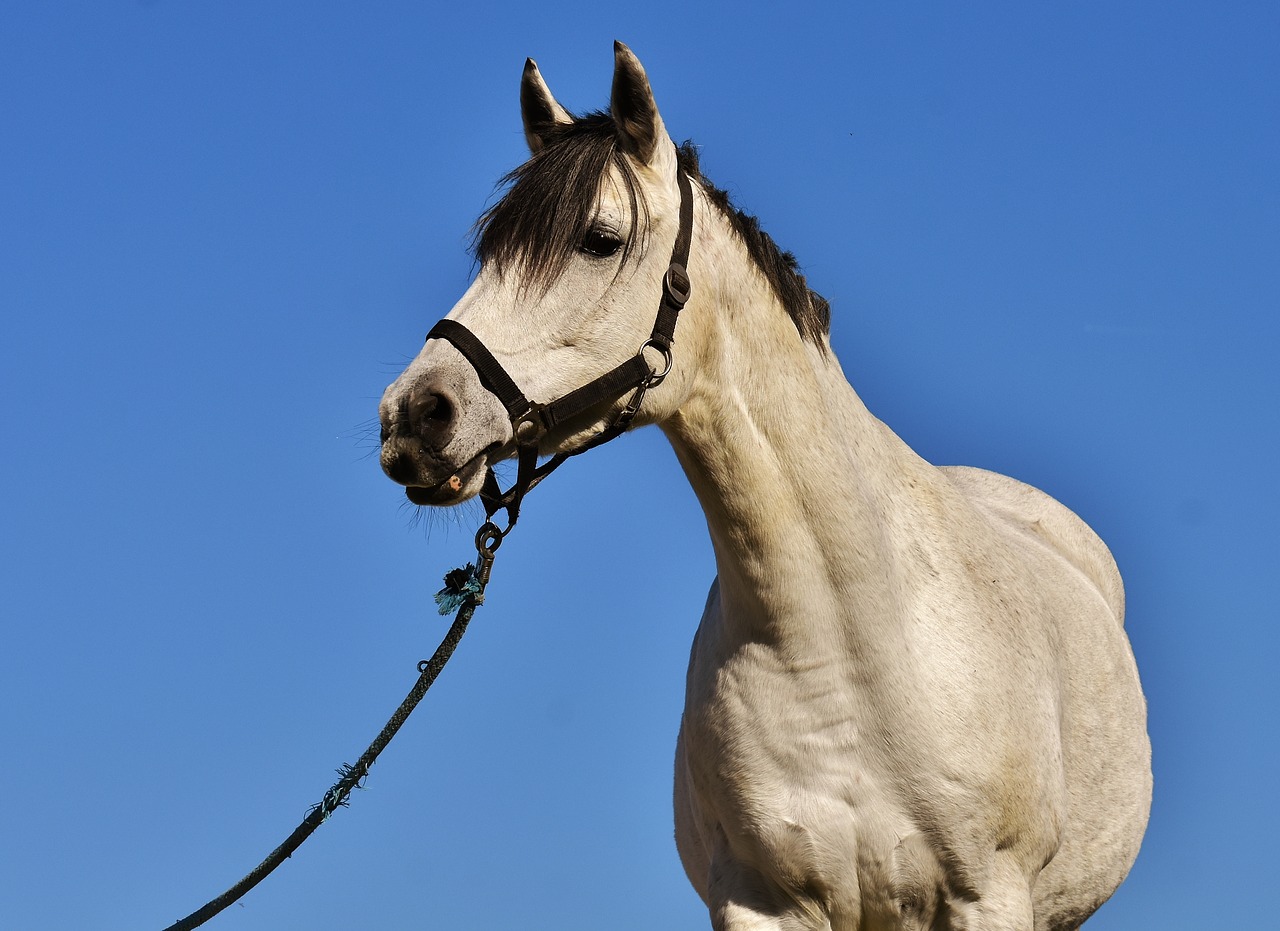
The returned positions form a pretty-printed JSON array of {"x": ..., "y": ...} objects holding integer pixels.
[{"x": 1049, "y": 233}]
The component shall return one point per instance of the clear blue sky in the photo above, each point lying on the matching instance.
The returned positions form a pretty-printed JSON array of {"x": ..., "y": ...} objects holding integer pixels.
[{"x": 1051, "y": 237}]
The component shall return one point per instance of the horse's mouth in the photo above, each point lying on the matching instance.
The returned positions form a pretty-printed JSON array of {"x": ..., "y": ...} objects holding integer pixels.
[{"x": 463, "y": 484}]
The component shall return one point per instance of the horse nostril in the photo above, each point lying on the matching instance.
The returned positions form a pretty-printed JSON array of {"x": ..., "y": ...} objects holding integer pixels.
[
  {"x": 431, "y": 415},
  {"x": 441, "y": 412}
]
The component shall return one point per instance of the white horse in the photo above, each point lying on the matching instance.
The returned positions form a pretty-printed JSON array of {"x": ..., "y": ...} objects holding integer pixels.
[{"x": 911, "y": 702}]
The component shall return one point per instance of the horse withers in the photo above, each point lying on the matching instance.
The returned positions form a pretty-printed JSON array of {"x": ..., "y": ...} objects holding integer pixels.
[{"x": 911, "y": 702}]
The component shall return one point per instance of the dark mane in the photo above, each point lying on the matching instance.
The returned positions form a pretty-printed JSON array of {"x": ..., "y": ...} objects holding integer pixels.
[
  {"x": 547, "y": 208},
  {"x": 809, "y": 310}
]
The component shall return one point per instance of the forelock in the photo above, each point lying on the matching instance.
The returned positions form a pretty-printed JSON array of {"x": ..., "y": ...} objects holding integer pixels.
[
  {"x": 550, "y": 201},
  {"x": 548, "y": 204}
]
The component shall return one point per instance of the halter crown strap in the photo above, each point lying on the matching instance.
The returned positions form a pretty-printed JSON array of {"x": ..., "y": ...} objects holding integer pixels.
[
  {"x": 676, "y": 286},
  {"x": 530, "y": 421}
]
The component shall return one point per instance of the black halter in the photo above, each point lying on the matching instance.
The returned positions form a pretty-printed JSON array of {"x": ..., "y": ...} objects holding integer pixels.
[{"x": 531, "y": 421}]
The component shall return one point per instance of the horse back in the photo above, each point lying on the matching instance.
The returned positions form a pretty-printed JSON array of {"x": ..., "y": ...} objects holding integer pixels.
[{"x": 1028, "y": 512}]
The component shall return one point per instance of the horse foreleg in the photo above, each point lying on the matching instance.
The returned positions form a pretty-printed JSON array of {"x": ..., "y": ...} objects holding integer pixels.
[{"x": 741, "y": 901}]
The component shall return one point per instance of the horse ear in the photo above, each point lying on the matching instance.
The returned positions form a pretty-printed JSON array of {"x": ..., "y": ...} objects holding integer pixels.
[
  {"x": 539, "y": 110},
  {"x": 640, "y": 128}
]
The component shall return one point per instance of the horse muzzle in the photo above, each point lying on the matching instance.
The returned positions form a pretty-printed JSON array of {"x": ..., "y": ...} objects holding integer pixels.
[{"x": 418, "y": 429}]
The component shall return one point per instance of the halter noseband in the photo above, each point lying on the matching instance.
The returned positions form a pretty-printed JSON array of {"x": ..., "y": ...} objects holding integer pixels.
[{"x": 531, "y": 421}]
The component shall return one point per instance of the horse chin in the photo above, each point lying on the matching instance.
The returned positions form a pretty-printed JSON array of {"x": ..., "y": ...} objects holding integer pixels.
[{"x": 461, "y": 486}]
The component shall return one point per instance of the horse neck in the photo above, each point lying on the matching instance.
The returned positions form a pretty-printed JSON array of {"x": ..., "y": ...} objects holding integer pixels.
[{"x": 806, "y": 493}]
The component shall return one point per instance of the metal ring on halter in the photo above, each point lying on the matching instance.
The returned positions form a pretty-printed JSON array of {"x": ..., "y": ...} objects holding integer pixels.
[
  {"x": 529, "y": 427},
  {"x": 655, "y": 378}
]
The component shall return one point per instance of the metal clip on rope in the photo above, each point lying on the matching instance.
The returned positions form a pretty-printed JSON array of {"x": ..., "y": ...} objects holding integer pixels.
[{"x": 488, "y": 539}]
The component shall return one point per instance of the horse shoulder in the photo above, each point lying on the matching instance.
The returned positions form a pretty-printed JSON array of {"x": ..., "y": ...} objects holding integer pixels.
[{"x": 1029, "y": 512}]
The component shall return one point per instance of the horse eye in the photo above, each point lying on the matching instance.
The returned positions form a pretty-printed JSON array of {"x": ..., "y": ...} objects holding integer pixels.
[{"x": 600, "y": 244}]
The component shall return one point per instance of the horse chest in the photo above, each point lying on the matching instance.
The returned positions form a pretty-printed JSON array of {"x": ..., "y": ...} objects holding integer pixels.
[{"x": 782, "y": 779}]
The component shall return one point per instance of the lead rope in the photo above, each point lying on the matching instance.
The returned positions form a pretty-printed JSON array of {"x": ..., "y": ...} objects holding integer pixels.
[
  {"x": 463, "y": 592},
  {"x": 464, "y": 588}
]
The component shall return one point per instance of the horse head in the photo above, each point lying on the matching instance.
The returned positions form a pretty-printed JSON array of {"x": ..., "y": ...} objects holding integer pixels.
[{"x": 572, "y": 263}]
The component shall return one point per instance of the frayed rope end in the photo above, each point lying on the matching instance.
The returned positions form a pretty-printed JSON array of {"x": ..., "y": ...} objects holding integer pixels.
[{"x": 459, "y": 586}]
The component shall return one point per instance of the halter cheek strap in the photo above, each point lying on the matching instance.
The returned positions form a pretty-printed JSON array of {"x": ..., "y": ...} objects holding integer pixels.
[{"x": 530, "y": 421}]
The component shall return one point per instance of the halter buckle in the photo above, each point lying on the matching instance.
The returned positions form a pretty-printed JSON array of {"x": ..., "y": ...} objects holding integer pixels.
[{"x": 676, "y": 284}]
